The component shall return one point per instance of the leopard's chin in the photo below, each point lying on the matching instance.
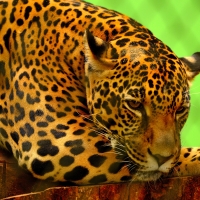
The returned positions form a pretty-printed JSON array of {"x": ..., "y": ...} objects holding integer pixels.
[{"x": 148, "y": 175}]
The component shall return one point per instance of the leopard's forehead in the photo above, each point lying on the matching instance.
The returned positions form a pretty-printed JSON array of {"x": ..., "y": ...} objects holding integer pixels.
[{"x": 154, "y": 78}]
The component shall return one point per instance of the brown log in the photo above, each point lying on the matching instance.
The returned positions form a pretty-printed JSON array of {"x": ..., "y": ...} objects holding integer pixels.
[{"x": 15, "y": 183}]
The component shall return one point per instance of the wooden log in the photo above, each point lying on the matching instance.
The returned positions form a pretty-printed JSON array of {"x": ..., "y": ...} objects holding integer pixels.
[{"x": 15, "y": 183}]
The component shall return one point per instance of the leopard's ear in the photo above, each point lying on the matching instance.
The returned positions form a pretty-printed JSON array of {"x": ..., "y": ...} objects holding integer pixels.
[
  {"x": 193, "y": 65},
  {"x": 97, "y": 57}
]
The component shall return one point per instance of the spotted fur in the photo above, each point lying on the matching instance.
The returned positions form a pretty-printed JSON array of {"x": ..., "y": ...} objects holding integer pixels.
[{"x": 88, "y": 95}]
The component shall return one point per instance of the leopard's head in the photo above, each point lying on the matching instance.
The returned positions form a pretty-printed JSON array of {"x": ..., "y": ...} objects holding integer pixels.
[{"x": 139, "y": 93}]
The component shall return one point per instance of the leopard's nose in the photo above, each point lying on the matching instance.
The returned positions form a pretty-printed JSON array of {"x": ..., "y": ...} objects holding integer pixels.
[{"x": 161, "y": 159}]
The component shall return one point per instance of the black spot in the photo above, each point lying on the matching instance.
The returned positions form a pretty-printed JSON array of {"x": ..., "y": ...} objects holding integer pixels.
[
  {"x": 120, "y": 89},
  {"x": 79, "y": 132},
  {"x": 19, "y": 92},
  {"x": 72, "y": 143},
  {"x": 155, "y": 93},
  {"x": 58, "y": 134},
  {"x": 103, "y": 147},
  {"x": 124, "y": 61},
  {"x": 40, "y": 167},
  {"x": 126, "y": 178},
  {"x": 60, "y": 99},
  {"x": 97, "y": 104},
  {"x": 43, "y": 87},
  {"x": 60, "y": 114},
  {"x": 66, "y": 161},
  {"x": 49, "y": 118},
  {"x": 122, "y": 42},
  {"x": 125, "y": 83},
  {"x": 25, "y": 1},
  {"x": 159, "y": 99},
  {"x": 32, "y": 116},
  {"x": 77, "y": 150},
  {"x": 8, "y": 146},
  {"x": 64, "y": 4},
  {"x": 96, "y": 160},
  {"x": 27, "y": 12},
  {"x": 27, "y": 129},
  {"x": 26, "y": 158},
  {"x": 11, "y": 109},
  {"x": 126, "y": 73},
  {"x": 7, "y": 84},
  {"x": 15, "y": 136},
  {"x": 78, "y": 13},
  {"x": 12, "y": 16},
  {"x": 111, "y": 122},
  {"x": 52, "y": 8},
  {"x": 72, "y": 121},
  {"x": 124, "y": 28},
  {"x": 4, "y": 120},
  {"x": 186, "y": 155},
  {"x": 22, "y": 39},
  {"x": 114, "y": 32},
  {"x": 40, "y": 53},
  {"x": 42, "y": 124},
  {"x": 20, "y": 111},
  {"x": 2, "y": 67},
  {"x": 42, "y": 133},
  {"x": 48, "y": 98},
  {"x": 62, "y": 127},
  {"x": 3, "y": 133},
  {"x": 150, "y": 83},
  {"x": 26, "y": 146},
  {"x": 46, "y": 148},
  {"x": 115, "y": 167},
  {"x": 59, "y": 12},
  {"x": 98, "y": 179},
  {"x": 142, "y": 43},
  {"x": 39, "y": 113},
  {"x": 172, "y": 56},
  {"x": 106, "y": 107},
  {"x": 106, "y": 84},
  {"x": 76, "y": 174},
  {"x": 6, "y": 39},
  {"x": 24, "y": 74},
  {"x": 31, "y": 100},
  {"x": 45, "y": 3},
  {"x": 135, "y": 64},
  {"x": 82, "y": 109},
  {"x": 38, "y": 7},
  {"x": 49, "y": 108},
  {"x": 82, "y": 124},
  {"x": 93, "y": 134}
]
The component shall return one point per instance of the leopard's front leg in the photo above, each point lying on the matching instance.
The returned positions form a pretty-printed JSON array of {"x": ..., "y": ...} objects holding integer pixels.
[{"x": 188, "y": 163}]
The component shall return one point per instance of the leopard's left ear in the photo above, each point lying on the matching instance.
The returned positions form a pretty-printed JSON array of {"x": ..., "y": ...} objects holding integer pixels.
[
  {"x": 97, "y": 54},
  {"x": 193, "y": 65}
]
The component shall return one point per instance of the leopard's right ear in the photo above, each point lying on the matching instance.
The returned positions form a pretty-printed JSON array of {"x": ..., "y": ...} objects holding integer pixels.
[{"x": 193, "y": 65}]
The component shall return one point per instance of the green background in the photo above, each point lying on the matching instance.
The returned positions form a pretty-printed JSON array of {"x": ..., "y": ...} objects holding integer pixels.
[{"x": 177, "y": 24}]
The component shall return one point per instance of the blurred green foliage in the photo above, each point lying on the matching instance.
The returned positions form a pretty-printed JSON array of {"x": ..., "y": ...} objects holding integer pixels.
[{"x": 177, "y": 24}]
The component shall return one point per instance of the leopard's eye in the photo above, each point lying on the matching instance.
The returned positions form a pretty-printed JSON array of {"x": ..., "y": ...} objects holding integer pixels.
[
  {"x": 133, "y": 104},
  {"x": 180, "y": 110}
]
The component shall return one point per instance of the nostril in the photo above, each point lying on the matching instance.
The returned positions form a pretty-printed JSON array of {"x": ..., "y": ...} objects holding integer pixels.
[{"x": 161, "y": 159}]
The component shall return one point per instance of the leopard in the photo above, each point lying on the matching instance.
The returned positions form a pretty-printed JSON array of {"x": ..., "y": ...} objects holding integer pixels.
[{"x": 90, "y": 96}]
